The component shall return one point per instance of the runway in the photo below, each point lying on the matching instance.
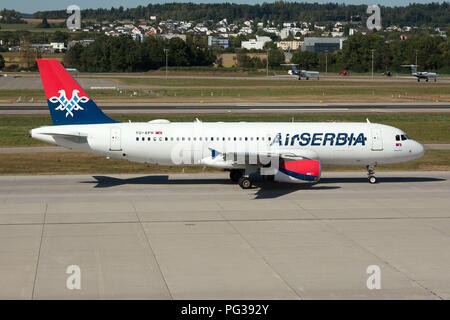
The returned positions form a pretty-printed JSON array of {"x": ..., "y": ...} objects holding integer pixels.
[
  {"x": 237, "y": 107},
  {"x": 274, "y": 76},
  {"x": 200, "y": 237}
]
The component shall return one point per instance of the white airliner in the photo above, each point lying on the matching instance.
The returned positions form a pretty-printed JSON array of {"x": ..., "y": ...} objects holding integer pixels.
[
  {"x": 421, "y": 74},
  {"x": 276, "y": 151},
  {"x": 301, "y": 73}
]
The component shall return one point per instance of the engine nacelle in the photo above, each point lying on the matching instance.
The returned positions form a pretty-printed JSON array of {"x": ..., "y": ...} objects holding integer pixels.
[{"x": 298, "y": 171}]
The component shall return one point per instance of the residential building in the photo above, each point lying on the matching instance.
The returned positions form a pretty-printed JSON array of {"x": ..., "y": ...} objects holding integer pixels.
[
  {"x": 223, "y": 42},
  {"x": 289, "y": 45}
]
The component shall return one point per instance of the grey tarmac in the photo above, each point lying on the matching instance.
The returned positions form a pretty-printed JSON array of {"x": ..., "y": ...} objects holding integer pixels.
[{"x": 198, "y": 236}]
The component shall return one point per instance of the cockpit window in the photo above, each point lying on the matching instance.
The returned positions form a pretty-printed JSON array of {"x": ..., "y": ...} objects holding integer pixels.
[
  {"x": 397, "y": 137},
  {"x": 403, "y": 137}
]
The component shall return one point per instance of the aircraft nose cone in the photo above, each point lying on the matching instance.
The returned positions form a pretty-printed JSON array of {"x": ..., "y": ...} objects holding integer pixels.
[{"x": 419, "y": 150}]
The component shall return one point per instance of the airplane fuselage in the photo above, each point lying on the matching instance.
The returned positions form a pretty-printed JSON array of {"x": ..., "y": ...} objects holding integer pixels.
[{"x": 194, "y": 143}]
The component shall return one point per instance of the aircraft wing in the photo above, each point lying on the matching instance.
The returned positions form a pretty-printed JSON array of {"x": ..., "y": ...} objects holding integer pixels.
[
  {"x": 258, "y": 158},
  {"x": 298, "y": 166}
]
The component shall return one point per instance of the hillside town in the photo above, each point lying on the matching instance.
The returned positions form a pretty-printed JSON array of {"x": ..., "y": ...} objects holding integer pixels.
[{"x": 288, "y": 36}]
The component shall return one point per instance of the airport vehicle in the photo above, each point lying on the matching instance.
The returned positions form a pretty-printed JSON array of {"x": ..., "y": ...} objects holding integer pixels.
[
  {"x": 343, "y": 73},
  {"x": 421, "y": 74},
  {"x": 287, "y": 152},
  {"x": 301, "y": 73}
]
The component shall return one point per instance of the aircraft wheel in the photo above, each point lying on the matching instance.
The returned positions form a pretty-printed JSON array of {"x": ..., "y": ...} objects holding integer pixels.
[
  {"x": 434, "y": 79},
  {"x": 235, "y": 175},
  {"x": 245, "y": 183},
  {"x": 372, "y": 179},
  {"x": 426, "y": 80},
  {"x": 307, "y": 78},
  {"x": 418, "y": 80},
  {"x": 299, "y": 78}
]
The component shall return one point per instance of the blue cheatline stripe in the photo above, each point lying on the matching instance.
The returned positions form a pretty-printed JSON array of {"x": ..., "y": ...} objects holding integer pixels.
[{"x": 297, "y": 175}]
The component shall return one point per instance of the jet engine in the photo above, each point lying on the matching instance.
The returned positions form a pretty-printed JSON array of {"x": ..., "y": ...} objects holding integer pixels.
[{"x": 298, "y": 171}]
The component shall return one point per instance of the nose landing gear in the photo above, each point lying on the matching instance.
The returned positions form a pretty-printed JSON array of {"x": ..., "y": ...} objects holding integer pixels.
[{"x": 371, "y": 174}]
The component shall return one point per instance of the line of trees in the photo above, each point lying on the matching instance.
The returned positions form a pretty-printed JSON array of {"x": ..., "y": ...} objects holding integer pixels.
[
  {"x": 123, "y": 54},
  {"x": 429, "y": 14},
  {"x": 118, "y": 54}
]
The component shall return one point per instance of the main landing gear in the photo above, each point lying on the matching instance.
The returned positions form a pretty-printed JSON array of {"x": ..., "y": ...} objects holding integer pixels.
[
  {"x": 245, "y": 182},
  {"x": 371, "y": 174},
  {"x": 235, "y": 175}
]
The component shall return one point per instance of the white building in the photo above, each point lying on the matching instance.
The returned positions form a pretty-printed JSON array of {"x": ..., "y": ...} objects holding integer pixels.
[
  {"x": 57, "y": 45},
  {"x": 285, "y": 33},
  {"x": 257, "y": 43}
]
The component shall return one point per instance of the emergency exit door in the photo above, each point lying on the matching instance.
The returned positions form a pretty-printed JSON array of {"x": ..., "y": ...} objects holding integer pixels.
[
  {"x": 377, "y": 140},
  {"x": 115, "y": 141}
]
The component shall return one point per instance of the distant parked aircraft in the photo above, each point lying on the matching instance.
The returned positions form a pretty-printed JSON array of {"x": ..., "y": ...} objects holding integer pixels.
[
  {"x": 301, "y": 73},
  {"x": 421, "y": 74}
]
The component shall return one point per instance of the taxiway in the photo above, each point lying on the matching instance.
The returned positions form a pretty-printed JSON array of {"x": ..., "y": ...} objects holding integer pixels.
[{"x": 200, "y": 237}]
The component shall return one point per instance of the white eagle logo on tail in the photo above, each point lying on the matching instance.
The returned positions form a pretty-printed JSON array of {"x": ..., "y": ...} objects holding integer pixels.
[{"x": 69, "y": 105}]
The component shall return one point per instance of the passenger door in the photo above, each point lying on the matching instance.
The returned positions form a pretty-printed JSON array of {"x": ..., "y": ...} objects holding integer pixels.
[
  {"x": 377, "y": 139},
  {"x": 115, "y": 140}
]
